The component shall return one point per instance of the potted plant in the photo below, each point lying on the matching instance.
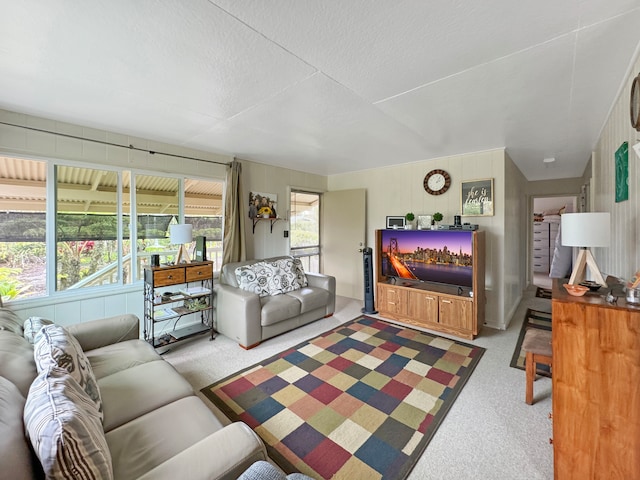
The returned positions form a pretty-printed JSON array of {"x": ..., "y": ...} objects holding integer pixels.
[
  {"x": 437, "y": 217},
  {"x": 409, "y": 217}
]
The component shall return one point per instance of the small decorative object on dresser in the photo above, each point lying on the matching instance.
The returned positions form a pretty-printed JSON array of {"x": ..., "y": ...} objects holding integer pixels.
[
  {"x": 395, "y": 222},
  {"x": 437, "y": 217},
  {"x": 409, "y": 217}
]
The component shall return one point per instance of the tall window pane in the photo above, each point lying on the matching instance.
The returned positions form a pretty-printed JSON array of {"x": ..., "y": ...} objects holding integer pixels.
[
  {"x": 86, "y": 228},
  {"x": 305, "y": 229},
  {"x": 156, "y": 207},
  {"x": 23, "y": 228},
  {"x": 203, "y": 210}
]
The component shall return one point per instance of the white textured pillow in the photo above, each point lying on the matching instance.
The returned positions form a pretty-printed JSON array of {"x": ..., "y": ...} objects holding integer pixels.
[
  {"x": 32, "y": 327},
  {"x": 254, "y": 278},
  {"x": 56, "y": 347},
  {"x": 301, "y": 277},
  {"x": 65, "y": 429}
]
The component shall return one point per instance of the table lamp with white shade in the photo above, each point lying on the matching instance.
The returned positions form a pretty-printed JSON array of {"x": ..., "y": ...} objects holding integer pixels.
[
  {"x": 586, "y": 230},
  {"x": 179, "y": 235}
]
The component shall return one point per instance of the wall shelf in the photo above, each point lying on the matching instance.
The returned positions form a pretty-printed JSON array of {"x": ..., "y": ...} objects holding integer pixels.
[{"x": 270, "y": 220}]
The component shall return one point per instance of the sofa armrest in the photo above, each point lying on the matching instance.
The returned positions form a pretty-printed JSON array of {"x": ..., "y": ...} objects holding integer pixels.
[
  {"x": 326, "y": 282},
  {"x": 106, "y": 331},
  {"x": 238, "y": 314},
  {"x": 225, "y": 454}
]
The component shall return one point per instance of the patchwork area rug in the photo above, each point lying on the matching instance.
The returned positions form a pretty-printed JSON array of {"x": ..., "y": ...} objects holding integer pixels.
[
  {"x": 533, "y": 319},
  {"x": 360, "y": 401},
  {"x": 543, "y": 293}
]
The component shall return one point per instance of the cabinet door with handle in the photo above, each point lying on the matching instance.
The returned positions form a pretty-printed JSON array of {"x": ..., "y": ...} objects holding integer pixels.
[
  {"x": 423, "y": 306},
  {"x": 392, "y": 299},
  {"x": 456, "y": 313}
]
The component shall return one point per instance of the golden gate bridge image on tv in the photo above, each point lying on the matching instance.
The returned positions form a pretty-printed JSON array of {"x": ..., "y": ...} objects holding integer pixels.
[{"x": 439, "y": 264}]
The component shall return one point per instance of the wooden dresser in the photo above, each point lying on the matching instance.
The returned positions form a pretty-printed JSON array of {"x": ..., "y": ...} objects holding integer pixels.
[{"x": 596, "y": 387}]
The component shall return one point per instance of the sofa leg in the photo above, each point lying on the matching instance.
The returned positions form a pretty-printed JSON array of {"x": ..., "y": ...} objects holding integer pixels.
[
  {"x": 250, "y": 346},
  {"x": 327, "y": 316}
]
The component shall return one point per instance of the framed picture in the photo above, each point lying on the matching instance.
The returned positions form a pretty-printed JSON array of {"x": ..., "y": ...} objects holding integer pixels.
[
  {"x": 476, "y": 198},
  {"x": 424, "y": 222},
  {"x": 262, "y": 205},
  {"x": 395, "y": 222},
  {"x": 622, "y": 172}
]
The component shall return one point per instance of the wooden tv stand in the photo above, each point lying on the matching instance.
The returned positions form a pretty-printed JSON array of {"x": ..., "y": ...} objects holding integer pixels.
[{"x": 444, "y": 308}]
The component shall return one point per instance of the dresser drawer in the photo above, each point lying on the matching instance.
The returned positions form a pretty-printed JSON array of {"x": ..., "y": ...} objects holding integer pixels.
[
  {"x": 171, "y": 276},
  {"x": 199, "y": 272}
]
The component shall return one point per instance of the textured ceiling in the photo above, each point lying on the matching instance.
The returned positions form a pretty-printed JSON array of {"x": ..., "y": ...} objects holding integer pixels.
[{"x": 328, "y": 86}]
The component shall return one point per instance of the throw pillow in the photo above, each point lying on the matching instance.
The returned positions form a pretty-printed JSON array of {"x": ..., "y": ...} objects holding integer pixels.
[
  {"x": 65, "y": 429},
  {"x": 301, "y": 277},
  {"x": 32, "y": 327},
  {"x": 254, "y": 278},
  {"x": 56, "y": 347},
  {"x": 284, "y": 276}
]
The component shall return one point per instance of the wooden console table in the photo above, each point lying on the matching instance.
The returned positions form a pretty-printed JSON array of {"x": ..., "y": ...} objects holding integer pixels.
[{"x": 596, "y": 386}]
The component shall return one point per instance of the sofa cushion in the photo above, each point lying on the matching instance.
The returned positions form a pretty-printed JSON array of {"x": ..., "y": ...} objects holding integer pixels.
[
  {"x": 131, "y": 393},
  {"x": 278, "y": 308},
  {"x": 56, "y": 347},
  {"x": 10, "y": 321},
  {"x": 15, "y": 454},
  {"x": 64, "y": 427},
  {"x": 16, "y": 361},
  {"x": 311, "y": 298},
  {"x": 142, "y": 444},
  {"x": 32, "y": 326},
  {"x": 120, "y": 356}
]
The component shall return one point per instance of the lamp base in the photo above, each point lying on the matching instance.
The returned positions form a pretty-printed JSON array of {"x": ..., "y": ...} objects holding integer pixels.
[
  {"x": 585, "y": 258},
  {"x": 183, "y": 256}
]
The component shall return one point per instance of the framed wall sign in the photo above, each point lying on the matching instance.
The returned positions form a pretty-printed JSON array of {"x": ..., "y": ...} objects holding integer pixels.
[
  {"x": 622, "y": 172},
  {"x": 395, "y": 222},
  {"x": 476, "y": 198}
]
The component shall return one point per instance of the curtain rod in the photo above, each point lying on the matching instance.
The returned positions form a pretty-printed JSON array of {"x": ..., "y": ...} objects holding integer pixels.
[{"x": 129, "y": 147}]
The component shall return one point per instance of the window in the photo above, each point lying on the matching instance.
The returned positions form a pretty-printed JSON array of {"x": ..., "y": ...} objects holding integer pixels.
[
  {"x": 86, "y": 227},
  {"x": 305, "y": 229},
  {"x": 88, "y": 222},
  {"x": 23, "y": 233}
]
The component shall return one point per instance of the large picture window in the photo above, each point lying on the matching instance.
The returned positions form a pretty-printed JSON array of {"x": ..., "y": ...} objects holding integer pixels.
[{"x": 88, "y": 220}]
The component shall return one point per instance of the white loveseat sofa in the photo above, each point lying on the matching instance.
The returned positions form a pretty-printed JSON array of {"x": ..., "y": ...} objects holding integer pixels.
[
  {"x": 259, "y": 299},
  {"x": 110, "y": 407}
]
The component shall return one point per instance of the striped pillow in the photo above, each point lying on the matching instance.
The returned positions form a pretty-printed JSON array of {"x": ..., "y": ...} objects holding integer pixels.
[
  {"x": 65, "y": 429},
  {"x": 32, "y": 327},
  {"x": 56, "y": 347}
]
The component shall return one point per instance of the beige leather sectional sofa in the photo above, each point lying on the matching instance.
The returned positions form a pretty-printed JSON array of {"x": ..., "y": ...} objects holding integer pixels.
[
  {"x": 259, "y": 299},
  {"x": 153, "y": 425}
]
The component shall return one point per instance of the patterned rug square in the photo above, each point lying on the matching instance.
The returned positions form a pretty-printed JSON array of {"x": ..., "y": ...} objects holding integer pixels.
[
  {"x": 532, "y": 319},
  {"x": 360, "y": 401}
]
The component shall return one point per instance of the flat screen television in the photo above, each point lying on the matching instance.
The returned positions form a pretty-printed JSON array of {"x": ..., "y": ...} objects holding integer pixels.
[{"x": 439, "y": 256}]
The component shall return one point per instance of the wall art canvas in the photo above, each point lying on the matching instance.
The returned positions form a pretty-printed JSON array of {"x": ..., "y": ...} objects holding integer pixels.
[{"x": 622, "y": 172}]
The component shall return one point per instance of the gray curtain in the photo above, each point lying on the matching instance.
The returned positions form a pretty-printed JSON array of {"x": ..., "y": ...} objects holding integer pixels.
[{"x": 234, "y": 238}]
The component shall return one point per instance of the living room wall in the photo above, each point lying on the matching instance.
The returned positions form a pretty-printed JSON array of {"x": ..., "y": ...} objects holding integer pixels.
[
  {"x": 258, "y": 177},
  {"x": 622, "y": 258},
  {"x": 399, "y": 189}
]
